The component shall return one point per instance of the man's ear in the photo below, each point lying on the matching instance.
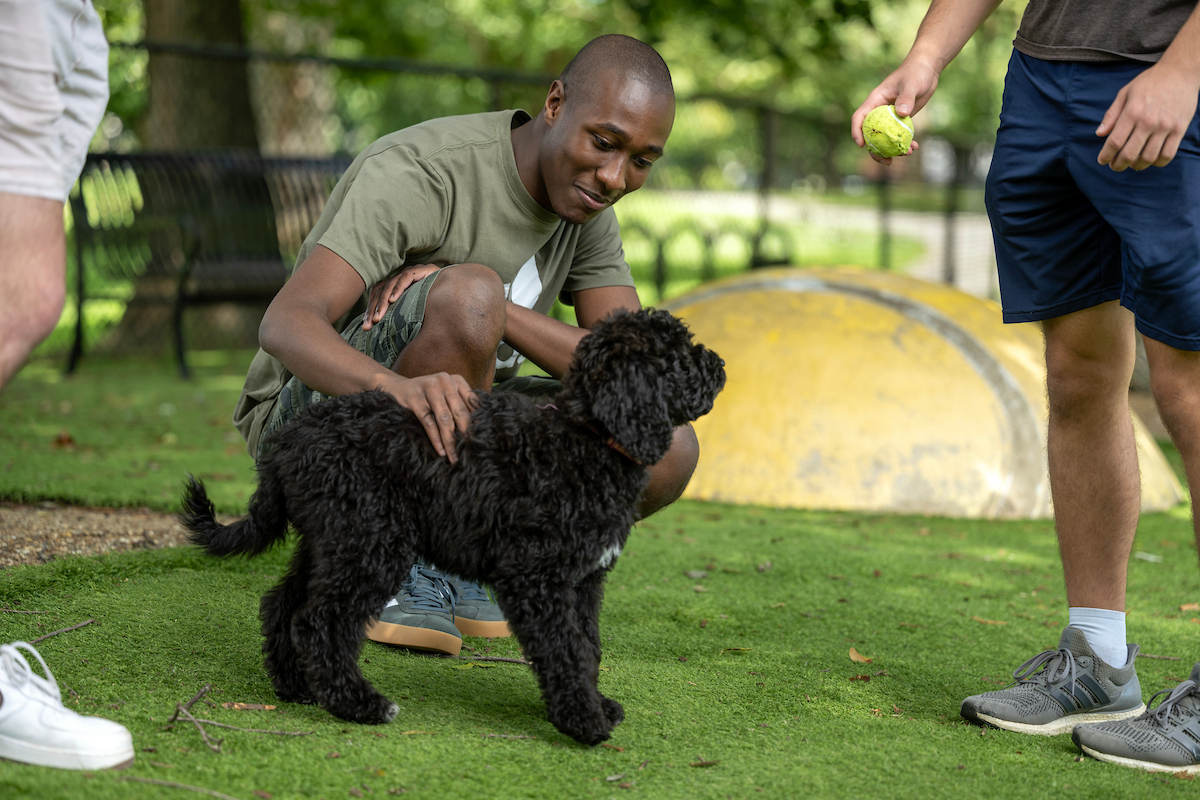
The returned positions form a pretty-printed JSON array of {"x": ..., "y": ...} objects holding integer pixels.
[{"x": 552, "y": 110}]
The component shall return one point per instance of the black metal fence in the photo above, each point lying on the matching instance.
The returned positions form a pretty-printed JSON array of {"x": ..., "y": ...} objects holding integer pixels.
[{"x": 744, "y": 185}]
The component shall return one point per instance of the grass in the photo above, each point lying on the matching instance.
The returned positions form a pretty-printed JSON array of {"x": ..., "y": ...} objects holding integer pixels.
[{"x": 748, "y": 667}]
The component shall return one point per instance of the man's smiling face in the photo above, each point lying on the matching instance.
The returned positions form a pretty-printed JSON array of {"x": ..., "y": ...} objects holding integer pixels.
[{"x": 602, "y": 143}]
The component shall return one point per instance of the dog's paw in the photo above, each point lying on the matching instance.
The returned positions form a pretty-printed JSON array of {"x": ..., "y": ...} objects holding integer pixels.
[
  {"x": 589, "y": 729},
  {"x": 614, "y": 712},
  {"x": 392, "y": 711}
]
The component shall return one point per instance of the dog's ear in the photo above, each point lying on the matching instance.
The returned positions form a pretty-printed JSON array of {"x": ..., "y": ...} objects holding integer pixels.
[
  {"x": 632, "y": 407},
  {"x": 697, "y": 382},
  {"x": 618, "y": 381}
]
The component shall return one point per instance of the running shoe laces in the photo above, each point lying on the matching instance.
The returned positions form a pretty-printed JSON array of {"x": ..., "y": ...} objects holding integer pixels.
[
  {"x": 1054, "y": 665},
  {"x": 20, "y": 674},
  {"x": 1172, "y": 707},
  {"x": 428, "y": 590}
]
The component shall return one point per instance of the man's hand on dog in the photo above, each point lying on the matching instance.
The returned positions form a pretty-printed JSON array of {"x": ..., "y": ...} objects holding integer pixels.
[
  {"x": 384, "y": 293},
  {"x": 442, "y": 402}
]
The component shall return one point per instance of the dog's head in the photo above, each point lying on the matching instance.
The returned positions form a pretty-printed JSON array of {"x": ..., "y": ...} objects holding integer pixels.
[{"x": 638, "y": 376}]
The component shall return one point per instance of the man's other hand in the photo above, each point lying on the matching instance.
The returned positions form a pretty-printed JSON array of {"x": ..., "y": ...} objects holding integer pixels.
[{"x": 1148, "y": 119}]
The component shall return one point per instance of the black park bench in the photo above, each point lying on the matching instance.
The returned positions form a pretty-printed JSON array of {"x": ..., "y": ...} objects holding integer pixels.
[{"x": 186, "y": 229}]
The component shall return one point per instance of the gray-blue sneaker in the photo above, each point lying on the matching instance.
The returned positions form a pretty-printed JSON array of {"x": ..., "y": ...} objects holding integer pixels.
[
  {"x": 1059, "y": 689},
  {"x": 421, "y": 615},
  {"x": 1163, "y": 739},
  {"x": 476, "y": 612}
]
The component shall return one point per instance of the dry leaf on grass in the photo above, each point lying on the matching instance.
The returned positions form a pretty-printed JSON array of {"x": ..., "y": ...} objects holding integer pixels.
[
  {"x": 1190, "y": 607},
  {"x": 989, "y": 621},
  {"x": 859, "y": 657},
  {"x": 703, "y": 763},
  {"x": 411, "y": 733},
  {"x": 248, "y": 706}
]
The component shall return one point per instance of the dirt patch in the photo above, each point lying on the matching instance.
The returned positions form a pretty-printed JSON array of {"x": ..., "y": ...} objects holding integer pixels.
[{"x": 41, "y": 533}]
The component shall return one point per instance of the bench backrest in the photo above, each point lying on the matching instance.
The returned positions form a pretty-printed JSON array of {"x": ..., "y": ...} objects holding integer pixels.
[{"x": 153, "y": 213}]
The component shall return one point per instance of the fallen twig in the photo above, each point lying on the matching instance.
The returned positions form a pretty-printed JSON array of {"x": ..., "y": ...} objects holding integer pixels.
[
  {"x": 19, "y": 611},
  {"x": 215, "y": 747},
  {"x": 1160, "y": 658},
  {"x": 506, "y": 736},
  {"x": 188, "y": 705},
  {"x": 64, "y": 630},
  {"x": 253, "y": 730},
  {"x": 174, "y": 785},
  {"x": 491, "y": 658}
]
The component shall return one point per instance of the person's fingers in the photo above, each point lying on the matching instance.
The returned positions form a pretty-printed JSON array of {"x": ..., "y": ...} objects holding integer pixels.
[
  {"x": 1150, "y": 152},
  {"x": 1113, "y": 114},
  {"x": 1131, "y": 151},
  {"x": 1122, "y": 129},
  {"x": 444, "y": 417},
  {"x": 1169, "y": 149}
]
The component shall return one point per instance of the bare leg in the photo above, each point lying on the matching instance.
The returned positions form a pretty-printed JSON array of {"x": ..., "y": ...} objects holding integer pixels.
[
  {"x": 1175, "y": 380},
  {"x": 463, "y": 325},
  {"x": 32, "y": 276},
  {"x": 1093, "y": 459},
  {"x": 669, "y": 477}
]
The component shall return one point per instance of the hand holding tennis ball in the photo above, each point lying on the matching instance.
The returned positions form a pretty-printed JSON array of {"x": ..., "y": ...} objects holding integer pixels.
[{"x": 887, "y": 134}]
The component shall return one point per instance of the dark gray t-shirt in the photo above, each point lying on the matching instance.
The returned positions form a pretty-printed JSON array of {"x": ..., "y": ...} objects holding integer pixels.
[{"x": 1101, "y": 30}]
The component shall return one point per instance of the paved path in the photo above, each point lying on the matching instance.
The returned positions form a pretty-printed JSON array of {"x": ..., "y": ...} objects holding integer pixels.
[{"x": 975, "y": 261}]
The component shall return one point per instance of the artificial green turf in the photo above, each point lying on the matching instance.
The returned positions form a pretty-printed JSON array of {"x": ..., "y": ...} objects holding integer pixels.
[
  {"x": 765, "y": 686},
  {"x": 752, "y": 673}
]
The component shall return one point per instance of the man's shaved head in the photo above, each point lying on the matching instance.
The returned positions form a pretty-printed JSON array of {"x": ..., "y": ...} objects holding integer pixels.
[{"x": 615, "y": 56}]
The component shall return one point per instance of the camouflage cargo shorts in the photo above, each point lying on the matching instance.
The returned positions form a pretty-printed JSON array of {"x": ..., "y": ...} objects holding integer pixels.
[{"x": 384, "y": 343}]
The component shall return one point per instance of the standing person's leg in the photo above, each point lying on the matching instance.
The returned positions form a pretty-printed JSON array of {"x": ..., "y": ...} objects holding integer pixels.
[
  {"x": 1094, "y": 478},
  {"x": 1060, "y": 263},
  {"x": 32, "y": 276},
  {"x": 53, "y": 90},
  {"x": 1164, "y": 738}
]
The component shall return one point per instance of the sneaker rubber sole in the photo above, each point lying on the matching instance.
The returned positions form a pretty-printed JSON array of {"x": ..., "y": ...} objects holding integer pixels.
[
  {"x": 1059, "y": 726},
  {"x": 1149, "y": 766},
  {"x": 416, "y": 638},
  {"x": 475, "y": 627},
  {"x": 42, "y": 756}
]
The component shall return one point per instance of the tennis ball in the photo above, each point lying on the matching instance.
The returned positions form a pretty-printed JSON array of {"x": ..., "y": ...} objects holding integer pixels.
[{"x": 887, "y": 133}]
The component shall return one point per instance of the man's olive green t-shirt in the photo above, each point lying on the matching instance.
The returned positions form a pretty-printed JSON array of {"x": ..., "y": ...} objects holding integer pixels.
[{"x": 447, "y": 192}]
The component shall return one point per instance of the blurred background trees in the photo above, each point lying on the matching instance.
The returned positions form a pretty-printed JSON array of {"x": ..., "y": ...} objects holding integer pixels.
[{"x": 814, "y": 59}]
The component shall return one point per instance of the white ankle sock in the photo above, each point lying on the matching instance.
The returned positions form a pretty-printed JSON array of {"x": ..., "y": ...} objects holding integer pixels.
[{"x": 1105, "y": 632}]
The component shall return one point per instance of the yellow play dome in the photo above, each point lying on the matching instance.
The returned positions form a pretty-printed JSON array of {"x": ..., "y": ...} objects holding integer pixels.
[{"x": 870, "y": 391}]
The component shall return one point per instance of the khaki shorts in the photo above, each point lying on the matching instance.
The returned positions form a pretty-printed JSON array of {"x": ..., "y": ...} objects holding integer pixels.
[
  {"x": 53, "y": 92},
  {"x": 384, "y": 343}
]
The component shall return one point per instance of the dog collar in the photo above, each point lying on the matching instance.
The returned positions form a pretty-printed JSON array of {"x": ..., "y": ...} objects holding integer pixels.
[{"x": 608, "y": 440}]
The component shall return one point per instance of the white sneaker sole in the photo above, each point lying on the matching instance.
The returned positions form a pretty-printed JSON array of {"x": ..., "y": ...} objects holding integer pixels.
[
  {"x": 1059, "y": 726},
  {"x": 1149, "y": 766},
  {"x": 26, "y": 753}
]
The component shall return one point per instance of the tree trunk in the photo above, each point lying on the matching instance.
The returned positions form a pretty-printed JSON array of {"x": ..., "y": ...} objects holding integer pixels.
[{"x": 194, "y": 103}]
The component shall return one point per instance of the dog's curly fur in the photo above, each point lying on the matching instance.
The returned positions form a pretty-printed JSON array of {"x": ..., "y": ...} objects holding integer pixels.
[{"x": 538, "y": 505}]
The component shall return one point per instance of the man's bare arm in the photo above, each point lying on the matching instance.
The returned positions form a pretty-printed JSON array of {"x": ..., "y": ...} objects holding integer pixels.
[
  {"x": 551, "y": 344},
  {"x": 947, "y": 27},
  {"x": 298, "y": 330}
]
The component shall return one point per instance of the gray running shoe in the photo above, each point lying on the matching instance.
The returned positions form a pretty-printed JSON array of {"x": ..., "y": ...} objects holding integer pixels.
[
  {"x": 421, "y": 615},
  {"x": 1059, "y": 689},
  {"x": 1164, "y": 739},
  {"x": 476, "y": 613}
]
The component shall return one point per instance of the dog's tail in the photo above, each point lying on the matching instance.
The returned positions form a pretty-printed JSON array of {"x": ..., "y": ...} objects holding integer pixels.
[{"x": 265, "y": 525}]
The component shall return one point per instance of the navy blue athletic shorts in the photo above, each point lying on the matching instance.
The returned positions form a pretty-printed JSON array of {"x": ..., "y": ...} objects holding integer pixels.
[{"x": 1071, "y": 234}]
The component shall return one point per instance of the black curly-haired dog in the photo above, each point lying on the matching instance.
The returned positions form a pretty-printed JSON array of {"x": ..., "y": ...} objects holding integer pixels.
[{"x": 538, "y": 506}]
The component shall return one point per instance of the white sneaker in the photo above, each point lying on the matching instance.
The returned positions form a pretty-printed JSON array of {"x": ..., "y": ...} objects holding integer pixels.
[{"x": 35, "y": 728}]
